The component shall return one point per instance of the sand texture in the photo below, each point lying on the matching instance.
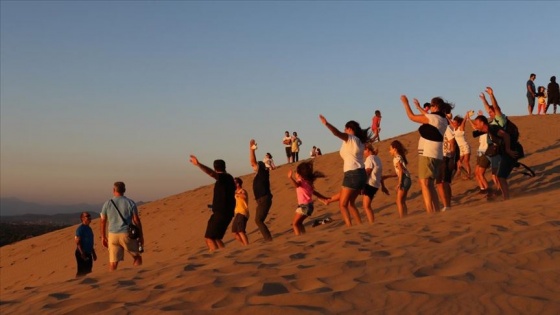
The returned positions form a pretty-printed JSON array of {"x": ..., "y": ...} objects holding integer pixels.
[{"x": 481, "y": 257}]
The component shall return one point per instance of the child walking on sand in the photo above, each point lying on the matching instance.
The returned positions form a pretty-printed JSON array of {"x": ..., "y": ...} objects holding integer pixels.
[
  {"x": 397, "y": 150},
  {"x": 241, "y": 212},
  {"x": 376, "y": 126},
  {"x": 304, "y": 178}
]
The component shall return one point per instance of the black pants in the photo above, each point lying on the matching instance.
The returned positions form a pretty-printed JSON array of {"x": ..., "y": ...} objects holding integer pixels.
[
  {"x": 84, "y": 266},
  {"x": 263, "y": 206}
]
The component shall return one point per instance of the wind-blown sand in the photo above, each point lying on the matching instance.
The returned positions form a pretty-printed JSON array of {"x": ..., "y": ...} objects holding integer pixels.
[{"x": 481, "y": 257}]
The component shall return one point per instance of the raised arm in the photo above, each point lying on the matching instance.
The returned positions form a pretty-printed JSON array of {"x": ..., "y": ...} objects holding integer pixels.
[
  {"x": 342, "y": 135},
  {"x": 203, "y": 167},
  {"x": 419, "y": 108},
  {"x": 495, "y": 105},
  {"x": 294, "y": 182},
  {"x": 252, "y": 157},
  {"x": 421, "y": 119}
]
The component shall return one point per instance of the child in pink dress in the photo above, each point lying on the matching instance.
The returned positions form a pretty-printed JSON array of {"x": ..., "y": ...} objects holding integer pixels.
[{"x": 305, "y": 176}]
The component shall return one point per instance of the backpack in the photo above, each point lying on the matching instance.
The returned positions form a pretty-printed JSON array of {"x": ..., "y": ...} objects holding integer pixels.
[{"x": 511, "y": 129}]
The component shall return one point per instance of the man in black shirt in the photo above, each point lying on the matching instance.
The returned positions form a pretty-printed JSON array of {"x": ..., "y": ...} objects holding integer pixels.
[
  {"x": 223, "y": 202},
  {"x": 261, "y": 190}
]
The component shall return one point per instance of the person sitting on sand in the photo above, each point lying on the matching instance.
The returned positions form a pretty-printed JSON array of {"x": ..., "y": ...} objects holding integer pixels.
[
  {"x": 305, "y": 176},
  {"x": 241, "y": 211}
]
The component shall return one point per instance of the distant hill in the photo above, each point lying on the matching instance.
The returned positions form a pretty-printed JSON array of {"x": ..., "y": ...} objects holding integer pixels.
[
  {"x": 17, "y": 207},
  {"x": 14, "y": 206}
]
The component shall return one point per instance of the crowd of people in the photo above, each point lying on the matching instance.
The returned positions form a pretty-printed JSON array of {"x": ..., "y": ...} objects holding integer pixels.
[{"x": 443, "y": 152}]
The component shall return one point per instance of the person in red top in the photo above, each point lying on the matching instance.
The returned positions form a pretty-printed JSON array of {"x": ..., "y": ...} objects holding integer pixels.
[{"x": 376, "y": 126}]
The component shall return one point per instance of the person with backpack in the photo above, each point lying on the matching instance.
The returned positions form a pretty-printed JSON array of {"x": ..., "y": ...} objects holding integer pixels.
[
  {"x": 499, "y": 145},
  {"x": 496, "y": 118}
]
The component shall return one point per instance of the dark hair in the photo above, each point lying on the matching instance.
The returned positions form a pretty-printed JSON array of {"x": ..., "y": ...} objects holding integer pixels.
[
  {"x": 442, "y": 105},
  {"x": 219, "y": 165},
  {"x": 400, "y": 150},
  {"x": 120, "y": 187},
  {"x": 239, "y": 181},
  {"x": 553, "y": 79},
  {"x": 539, "y": 93},
  {"x": 532, "y": 75},
  {"x": 267, "y": 153},
  {"x": 458, "y": 119},
  {"x": 482, "y": 118},
  {"x": 377, "y": 112},
  {"x": 305, "y": 170},
  {"x": 363, "y": 134},
  {"x": 426, "y": 105}
]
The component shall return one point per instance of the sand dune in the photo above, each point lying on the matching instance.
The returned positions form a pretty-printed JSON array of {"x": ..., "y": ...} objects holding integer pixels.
[{"x": 481, "y": 257}]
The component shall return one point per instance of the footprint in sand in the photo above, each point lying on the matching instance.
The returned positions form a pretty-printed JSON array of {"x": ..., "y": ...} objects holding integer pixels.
[
  {"x": 273, "y": 288},
  {"x": 126, "y": 283},
  {"x": 191, "y": 267},
  {"x": 521, "y": 222},
  {"x": 297, "y": 256},
  {"x": 60, "y": 296},
  {"x": 500, "y": 228}
]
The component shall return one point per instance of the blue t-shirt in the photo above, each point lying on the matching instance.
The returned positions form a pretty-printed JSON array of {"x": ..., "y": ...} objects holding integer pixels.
[
  {"x": 532, "y": 84},
  {"x": 127, "y": 208},
  {"x": 85, "y": 234}
]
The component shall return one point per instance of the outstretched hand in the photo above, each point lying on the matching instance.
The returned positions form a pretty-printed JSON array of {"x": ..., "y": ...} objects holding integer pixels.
[
  {"x": 416, "y": 102},
  {"x": 323, "y": 119},
  {"x": 404, "y": 99},
  {"x": 252, "y": 144},
  {"x": 489, "y": 90},
  {"x": 193, "y": 160}
]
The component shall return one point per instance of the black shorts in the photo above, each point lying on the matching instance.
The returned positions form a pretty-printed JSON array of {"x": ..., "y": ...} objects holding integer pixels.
[
  {"x": 448, "y": 169},
  {"x": 369, "y": 191},
  {"x": 531, "y": 100},
  {"x": 288, "y": 151},
  {"x": 239, "y": 223},
  {"x": 482, "y": 161},
  {"x": 217, "y": 227}
]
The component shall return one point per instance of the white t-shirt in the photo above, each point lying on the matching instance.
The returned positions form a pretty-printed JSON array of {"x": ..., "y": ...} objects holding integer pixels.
[
  {"x": 429, "y": 148},
  {"x": 483, "y": 143},
  {"x": 374, "y": 162},
  {"x": 398, "y": 159},
  {"x": 289, "y": 141},
  {"x": 352, "y": 152},
  {"x": 447, "y": 137}
]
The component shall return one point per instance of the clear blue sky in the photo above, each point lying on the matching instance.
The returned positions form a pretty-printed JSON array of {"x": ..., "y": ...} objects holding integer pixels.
[{"x": 98, "y": 91}]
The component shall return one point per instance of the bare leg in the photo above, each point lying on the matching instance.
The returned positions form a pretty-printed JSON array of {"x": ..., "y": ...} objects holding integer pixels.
[
  {"x": 353, "y": 210},
  {"x": 113, "y": 265},
  {"x": 504, "y": 187},
  {"x": 401, "y": 202},
  {"x": 297, "y": 224},
  {"x": 212, "y": 246},
  {"x": 137, "y": 260},
  {"x": 366, "y": 201},
  {"x": 431, "y": 201},
  {"x": 220, "y": 244}
]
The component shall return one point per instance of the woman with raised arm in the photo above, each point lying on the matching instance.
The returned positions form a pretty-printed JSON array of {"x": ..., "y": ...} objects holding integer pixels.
[{"x": 355, "y": 177}]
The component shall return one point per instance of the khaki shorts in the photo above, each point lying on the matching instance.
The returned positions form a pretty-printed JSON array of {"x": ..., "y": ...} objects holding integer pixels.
[
  {"x": 428, "y": 167},
  {"x": 118, "y": 243}
]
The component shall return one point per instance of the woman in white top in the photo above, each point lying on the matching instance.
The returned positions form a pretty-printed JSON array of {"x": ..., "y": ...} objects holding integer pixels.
[
  {"x": 482, "y": 162},
  {"x": 464, "y": 163},
  {"x": 355, "y": 177}
]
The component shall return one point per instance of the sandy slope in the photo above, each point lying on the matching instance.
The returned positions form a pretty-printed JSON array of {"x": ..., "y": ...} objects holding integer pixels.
[{"x": 479, "y": 258}]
